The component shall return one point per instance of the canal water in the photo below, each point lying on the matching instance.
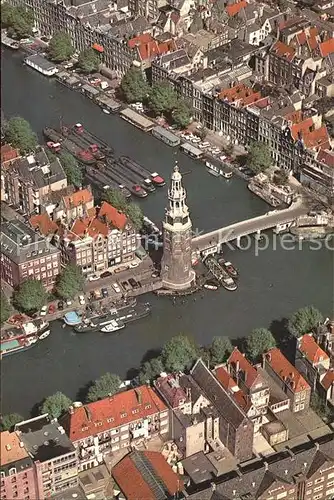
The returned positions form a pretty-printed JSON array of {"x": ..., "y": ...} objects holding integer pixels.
[{"x": 273, "y": 283}]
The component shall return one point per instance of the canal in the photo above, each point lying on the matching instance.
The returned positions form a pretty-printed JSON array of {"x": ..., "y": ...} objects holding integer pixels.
[{"x": 273, "y": 283}]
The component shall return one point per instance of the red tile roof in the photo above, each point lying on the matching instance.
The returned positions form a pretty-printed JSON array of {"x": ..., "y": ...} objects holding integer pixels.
[
  {"x": 294, "y": 116},
  {"x": 326, "y": 47},
  {"x": 11, "y": 451},
  {"x": 78, "y": 198},
  {"x": 318, "y": 138},
  {"x": 285, "y": 370},
  {"x": 241, "y": 93},
  {"x": 134, "y": 484},
  {"x": 283, "y": 50},
  {"x": 328, "y": 380},
  {"x": 44, "y": 224},
  {"x": 235, "y": 8},
  {"x": 8, "y": 153},
  {"x": 109, "y": 413},
  {"x": 237, "y": 359},
  {"x": 326, "y": 157},
  {"x": 312, "y": 351},
  {"x": 242, "y": 400},
  {"x": 140, "y": 39},
  {"x": 148, "y": 47},
  {"x": 116, "y": 218}
]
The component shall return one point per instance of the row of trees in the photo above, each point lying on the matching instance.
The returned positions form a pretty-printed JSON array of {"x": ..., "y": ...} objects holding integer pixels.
[
  {"x": 31, "y": 294},
  {"x": 61, "y": 49},
  {"x": 132, "y": 210},
  {"x": 161, "y": 98},
  {"x": 18, "y": 21}
]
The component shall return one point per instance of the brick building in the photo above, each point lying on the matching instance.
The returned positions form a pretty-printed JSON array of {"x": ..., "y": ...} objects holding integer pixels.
[
  {"x": 311, "y": 360},
  {"x": 26, "y": 254},
  {"x": 18, "y": 479},
  {"x": 54, "y": 455},
  {"x": 114, "y": 423},
  {"x": 288, "y": 378}
]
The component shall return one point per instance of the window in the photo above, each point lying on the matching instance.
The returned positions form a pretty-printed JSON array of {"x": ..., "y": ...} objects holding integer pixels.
[
  {"x": 319, "y": 480},
  {"x": 147, "y": 407},
  {"x": 123, "y": 415},
  {"x": 318, "y": 488},
  {"x": 12, "y": 471}
]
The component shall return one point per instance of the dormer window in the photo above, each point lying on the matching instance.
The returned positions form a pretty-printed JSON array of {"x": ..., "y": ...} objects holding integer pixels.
[
  {"x": 12, "y": 471},
  {"x": 110, "y": 419},
  {"x": 123, "y": 415},
  {"x": 147, "y": 407}
]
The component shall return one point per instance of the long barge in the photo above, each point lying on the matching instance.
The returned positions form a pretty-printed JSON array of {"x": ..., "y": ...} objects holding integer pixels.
[
  {"x": 116, "y": 173},
  {"x": 142, "y": 171},
  {"x": 132, "y": 175},
  {"x": 80, "y": 131},
  {"x": 57, "y": 142},
  {"x": 83, "y": 143},
  {"x": 102, "y": 179}
]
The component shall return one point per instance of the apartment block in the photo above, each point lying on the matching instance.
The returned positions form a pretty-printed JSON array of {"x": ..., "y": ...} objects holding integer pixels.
[
  {"x": 27, "y": 254},
  {"x": 18, "y": 478},
  {"x": 54, "y": 455},
  {"x": 115, "y": 423},
  {"x": 288, "y": 378}
]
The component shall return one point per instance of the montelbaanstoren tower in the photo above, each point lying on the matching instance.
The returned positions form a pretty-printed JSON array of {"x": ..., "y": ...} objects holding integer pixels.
[{"x": 176, "y": 269}]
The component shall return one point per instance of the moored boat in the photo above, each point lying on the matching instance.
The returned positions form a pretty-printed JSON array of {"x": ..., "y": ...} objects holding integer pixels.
[
  {"x": 228, "y": 266},
  {"x": 229, "y": 284},
  {"x": 15, "y": 345},
  {"x": 113, "y": 326},
  {"x": 72, "y": 318},
  {"x": 212, "y": 169},
  {"x": 57, "y": 142},
  {"x": 9, "y": 42},
  {"x": 132, "y": 173},
  {"x": 226, "y": 175},
  {"x": 144, "y": 172},
  {"x": 211, "y": 285}
]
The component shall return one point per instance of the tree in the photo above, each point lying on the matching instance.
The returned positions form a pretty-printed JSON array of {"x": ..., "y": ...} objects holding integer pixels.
[
  {"x": 304, "y": 321},
  {"x": 259, "y": 158},
  {"x": 220, "y": 349},
  {"x": 70, "y": 282},
  {"x": 72, "y": 169},
  {"x": 259, "y": 341},
  {"x": 162, "y": 98},
  {"x": 182, "y": 114},
  {"x": 281, "y": 177},
  {"x": 20, "y": 135},
  {"x": 30, "y": 296},
  {"x": 60, "y": 47},
  {"x": 8, "y": 421},
  {"x": 133, "y": 86},
  {"x": 150, "y": 370},
  {"x": 116, "y": 198},
  {"x": 56, "y": 404},
  {"x": 89, "y": 61},
  {"x": 319, "y": 406},
  {"x": 178, "y": 353},
  {"x": 135, "y": 214},
  {"x": 202, "y": 133},
  {"x": 105, "y": 386},
  {"x": 5, "y": 308},
  {"x": 19, "y": 21},
  {"x": 229, "y": 149}
]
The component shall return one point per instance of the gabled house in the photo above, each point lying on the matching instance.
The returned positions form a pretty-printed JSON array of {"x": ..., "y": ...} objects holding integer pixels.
[
  {"x": 73, "y": 206},
  {"x": 236, "y": 430},
  {"x": 311, "y": 360},
  {"x": 146, "y": 49},
  {"x": 288, "y": 378},
  {"x": 115, "y": 423}
]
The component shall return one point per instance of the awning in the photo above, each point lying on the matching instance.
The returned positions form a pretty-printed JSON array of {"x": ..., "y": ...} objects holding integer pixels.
[{"x": 98, "y": 47}]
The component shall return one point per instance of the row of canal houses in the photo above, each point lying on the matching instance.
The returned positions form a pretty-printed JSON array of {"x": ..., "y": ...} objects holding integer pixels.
[{"x": 221, "y": 410}]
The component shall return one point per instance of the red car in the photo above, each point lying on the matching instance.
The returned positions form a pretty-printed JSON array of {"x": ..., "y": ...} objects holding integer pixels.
[{"x": 52, "y": 309}]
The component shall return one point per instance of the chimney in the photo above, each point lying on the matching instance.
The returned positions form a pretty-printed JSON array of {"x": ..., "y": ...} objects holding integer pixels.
[
  {"x": 265, "y": 466},
  {"x": 8, "y": 447},
  {"x": 138, "y": 395},
  {"x": 317, "y": 447},
  {"x": 213, "y": 486},
  {"x": 71, "y": 410},
  {"x": 21, "y": 444},
  {"x": 237, "y": 366}
]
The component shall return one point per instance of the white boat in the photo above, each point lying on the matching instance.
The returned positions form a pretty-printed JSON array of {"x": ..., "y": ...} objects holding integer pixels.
[
  {"x": 212, "y": 169},
  {"x": 106, "y": 111},
  {"x": 226, "y": 175},
  {"x": 112, "y": 327},
  {"x": 209, "y": 286}
]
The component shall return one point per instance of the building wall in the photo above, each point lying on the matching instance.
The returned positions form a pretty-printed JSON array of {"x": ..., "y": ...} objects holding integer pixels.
[
  {"x": 58, "y": 474},
  {"x": 20, "y": 485}
]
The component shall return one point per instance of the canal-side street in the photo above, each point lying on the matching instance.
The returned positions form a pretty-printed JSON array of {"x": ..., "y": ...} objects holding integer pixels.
[{"x": 272, "y": 285}]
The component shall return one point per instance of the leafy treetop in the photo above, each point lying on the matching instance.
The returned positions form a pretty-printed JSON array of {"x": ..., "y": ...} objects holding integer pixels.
[
  {"x": 133, "y": 86},
  {"x": 30, "y": 296},
  {"x": 72, "y": 169},
  {"x": 18, "y": 20},
  {"x": 182, "y": 114},
  {"x": 259, "y": 341},
  {"x": 20, "y": 135},
  {"x": 259, "y": 158},
  {"x": 70, "y": 282},
  {"x": 56, "y": 405},
  {"x": 60, "y": 47},
  {"x": 5, "y": 308},
  {"x": 220, "y": 349},
  {"x": 150, "y": 370},
  {"x": 304, "y": 321},
  {"x": 105, "y": 386},
  {"x": 7, "y": 422},
  {"x": 178, "y": 353},
  {"x": 162, "y": 98},
  {"x": 89, "y": 60}
]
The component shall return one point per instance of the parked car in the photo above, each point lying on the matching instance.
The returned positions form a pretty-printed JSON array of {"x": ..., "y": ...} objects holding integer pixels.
[
  {"x": 121, "y": 268},
  {"x": 97, "y": 294},
  {"x": 106, "y": 274},
  {"x": 155, "y": 274},
  {"x": 126, "y": 285},
  {"x": 60, "y": 305},
  {"x": 133, "y": 283},
  {"x": 104, "y": 292},
  {"x": 52, "y": 309},
  {"x": 82, "y": 300},
  {"x": 44, "y": 310},
  {"x": 94, "y": 277},
  {"x": 116, "y": 287}
]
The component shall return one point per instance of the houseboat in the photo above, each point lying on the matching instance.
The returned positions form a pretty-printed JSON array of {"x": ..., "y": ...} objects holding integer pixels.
[
  {"x": 137, "y": 119},
  {"x": 72, "y": 318},
  {"x": 40, "y": 64},
  {"x": 15, "y": 345},
  {"x": 190, "y": 150},
  {"x": 166, "y": 136},
  {"x": 9, "y": 42},
  {"x": 213, "y": 169}
]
